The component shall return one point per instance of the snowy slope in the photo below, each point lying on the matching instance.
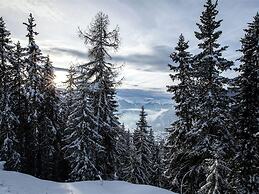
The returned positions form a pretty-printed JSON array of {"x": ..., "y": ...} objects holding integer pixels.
[{"x": 17, "y": 183}]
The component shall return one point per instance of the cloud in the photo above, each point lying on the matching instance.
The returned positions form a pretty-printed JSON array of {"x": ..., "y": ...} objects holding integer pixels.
[
  {"x": 67, "y": 51},
  {"x": 149, "y": 30},
  {"x": 41, "y": 8},
  {"x": 156, "y": 60}
]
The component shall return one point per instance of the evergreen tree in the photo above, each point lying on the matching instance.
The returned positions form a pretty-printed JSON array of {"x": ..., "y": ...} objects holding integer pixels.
[
  {"x": 18, "y": 75},
  {"x": 210, "y": 133},
  {"x": 161, "y": 163},
  {"x": 126, "y": 171},
  {"x": 178, "y": 158},
  {"x": 143, "y": 154},
  {"x": 82, "y": 141},
  {"x": 122, "y": 159},
  {"x": 101, "y": 79},
  {"x": 68, "y": 94},
  {"x": 158, "y": 168},
  {"x": 156, "y": 177},
  {"x": 51, "y": 153},
  {"x": 8, "y": 118},
  {"x": 34, "y": 102},
  {"x": 50, "y": 95},
  {"x": 66, "y": 101},
  {"x": 18, "y": 96},
  {"x": 246, "y": 109},
  {"x": 131, "y": 169},
  {"x": 215, "y": 182}
]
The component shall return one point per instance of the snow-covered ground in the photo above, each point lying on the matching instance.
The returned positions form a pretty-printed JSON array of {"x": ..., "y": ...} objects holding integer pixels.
[{"x": 18, "y": 183}]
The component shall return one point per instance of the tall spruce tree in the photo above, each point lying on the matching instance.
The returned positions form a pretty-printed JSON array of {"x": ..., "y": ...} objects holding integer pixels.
[
  {"x": 213, "y": 143},
  {"x": 50, "y": 94},
  {"x": 143, "y": 154},
  {"x": 122, "y": 158},
  {"x": 82, "y": 141},
  {"x": 130, "y": 169},
  {"x": 101, "y": 79},
  {"x": 8, "y": 119},
  {"x": 19, "y": 97},
  {"x": 51, "y": 140},
  {"x": 178, "y": 158},
  {"x": 126, "y": 167},
  {"x": 68, "y": 94},
  {"x": 18, "y": 73},
  {"x": 67, "y": 98},
  {"x": 156, "y": 177},
  {"x": 161, "y": 181},
  {"x": 34, "y": 102},
  {"x": 246, "y": 109}
]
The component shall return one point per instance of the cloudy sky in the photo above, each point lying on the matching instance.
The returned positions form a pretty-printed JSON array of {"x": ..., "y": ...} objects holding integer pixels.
[{"x": 149, "y": 30}]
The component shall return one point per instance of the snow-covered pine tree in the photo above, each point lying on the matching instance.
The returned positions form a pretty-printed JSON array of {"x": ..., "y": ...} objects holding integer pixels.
[
  {"x": 156, "y": 177},
  {"x": 178, "y": 158},
  {"x": 246, "y": 109},
  {"x": 66, "y": 101},
  {"x": 50, "y": 94},
  {"x": 68, "y": 94},
  {"x": 127, "y": 167},
  {"x": 8, "y": 119},
  {"x": 130, "y": 170},
  {"x": 161, "y": 166},
  {"x": 151, "y": 139},
  {"x": 34, "y": 102},
  {"x": 18, "y": 73},
  {"x": 101, "y": 79},
  {"x": 158, "y": 167},
  {"x": 51, "y": 152},
  {"x": 215, "y": 182},
  {"x": 82, "y": 141},
  {"x": 143, "y": 154},
  {"x": 123, "y": 153},
  {"x": 18, "y": 95},
  {"x": 210, "y": 133}
]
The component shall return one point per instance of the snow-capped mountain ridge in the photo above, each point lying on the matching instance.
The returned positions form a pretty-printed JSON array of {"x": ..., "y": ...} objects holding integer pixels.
[{"x": 158, "y": 105}]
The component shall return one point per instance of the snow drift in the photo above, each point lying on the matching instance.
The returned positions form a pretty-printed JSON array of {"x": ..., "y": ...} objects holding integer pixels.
[{"x": 18, "y": 183}]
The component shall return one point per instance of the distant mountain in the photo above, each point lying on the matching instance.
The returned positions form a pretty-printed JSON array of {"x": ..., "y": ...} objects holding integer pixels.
[{"x": 158, "y": 105}]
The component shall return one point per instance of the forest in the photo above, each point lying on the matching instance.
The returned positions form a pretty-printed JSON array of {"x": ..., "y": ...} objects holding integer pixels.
[{"x": 74, "y": 133}]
